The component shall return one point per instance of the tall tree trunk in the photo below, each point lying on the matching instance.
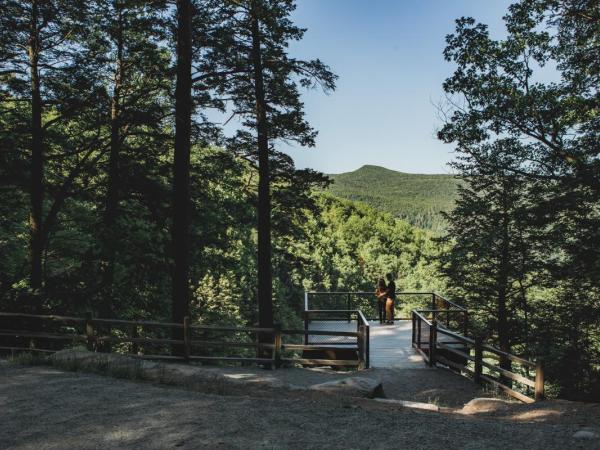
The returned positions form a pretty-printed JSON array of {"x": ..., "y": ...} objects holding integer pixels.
[
  {"x": 503, "y": 329},
  {"x": 36, "y": 246},
  {"x": 112, "y": 194},
  {"x": 181, "y": 172},
  {"x": 265, "y": 295}
]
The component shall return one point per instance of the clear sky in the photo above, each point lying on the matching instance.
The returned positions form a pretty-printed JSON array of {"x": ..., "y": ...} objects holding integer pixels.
[{"x": 388, "y": 55}]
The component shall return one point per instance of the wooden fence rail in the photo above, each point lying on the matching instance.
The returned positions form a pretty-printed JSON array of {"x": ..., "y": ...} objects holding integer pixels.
[
  {"x": 437, "y": 344},
  {"x": 56, "y": 332}
]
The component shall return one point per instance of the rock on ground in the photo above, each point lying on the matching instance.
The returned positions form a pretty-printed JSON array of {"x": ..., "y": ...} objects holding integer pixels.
[
  {"x": 352, "y": 387},
  {"x": 484, "y": 405}
]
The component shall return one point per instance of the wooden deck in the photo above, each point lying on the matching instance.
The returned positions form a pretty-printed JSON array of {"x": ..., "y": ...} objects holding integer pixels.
[{"x": 390, "y": 344}]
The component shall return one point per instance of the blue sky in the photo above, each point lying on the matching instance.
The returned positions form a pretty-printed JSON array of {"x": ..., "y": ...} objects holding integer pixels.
[{"x": 388, "y": 55}]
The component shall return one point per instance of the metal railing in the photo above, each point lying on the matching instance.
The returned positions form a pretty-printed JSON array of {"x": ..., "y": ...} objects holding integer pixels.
[
  {"x": 367, "y": 302},
  {"x": 438, "y": 344}
]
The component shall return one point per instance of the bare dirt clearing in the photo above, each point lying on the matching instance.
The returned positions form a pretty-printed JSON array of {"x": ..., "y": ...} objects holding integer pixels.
[{"x": 44, "y": 408}]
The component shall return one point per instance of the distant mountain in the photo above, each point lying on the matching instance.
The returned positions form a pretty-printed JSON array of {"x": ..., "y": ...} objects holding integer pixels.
[{"x": 417, "y": 198}]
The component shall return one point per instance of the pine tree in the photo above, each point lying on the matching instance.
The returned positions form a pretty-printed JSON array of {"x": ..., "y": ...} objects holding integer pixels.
[
  {"x": 123, "y": 45},
  {"x": 267, "y": 99},
  {"x": 546, "y": 133},
  {"x": 41, "y": 67}
]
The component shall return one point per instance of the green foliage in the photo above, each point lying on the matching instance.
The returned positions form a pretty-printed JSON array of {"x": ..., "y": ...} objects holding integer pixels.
[
  {"x": 418, "y": 199},
  {"x": 351, "y": 245}
]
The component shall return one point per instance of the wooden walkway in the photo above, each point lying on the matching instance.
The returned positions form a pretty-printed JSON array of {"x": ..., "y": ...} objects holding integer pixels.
[{"x": 390, "y": 344}]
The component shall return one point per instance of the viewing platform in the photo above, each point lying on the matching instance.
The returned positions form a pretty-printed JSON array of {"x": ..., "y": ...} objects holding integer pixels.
[{"x": 390, "y": 345}]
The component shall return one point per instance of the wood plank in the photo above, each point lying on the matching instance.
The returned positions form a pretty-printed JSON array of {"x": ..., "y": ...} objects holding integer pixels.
[
  {"x": 42, "y": 335},
  {"x": 455, "y": 351},
  {"x": 322, "y": 333},
  {"x": 322, "y": 362},
  {"x": 232, "y": 329},
  {"x": 317, "y": 347},
  {"x": 47, "y": 317},
  {"x": 231, "y": 359},
  {"x": 509, "y": 356},
  {"x": 508, "y": 390},
  {"x": 449, "y": 363},
  {"x": 513, "y": 376},
  {"x": 138, "y": 340},
  {"x": 28, "y": 349},
  {"x": 458, "y": 337},
  {"x": 140, "y": 323},
  {"x": 205, "y": 343}
]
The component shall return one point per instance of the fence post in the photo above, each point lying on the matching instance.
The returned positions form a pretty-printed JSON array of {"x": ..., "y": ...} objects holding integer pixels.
[
  {"x": 89, "y": 331},
  {"x": 276, "y": 345},
  {"x": 186, "y": 338},
  {"x": 432, "y": 341},
  {"x": 134, "y": 335},
  {"x": 305, "y": 300},
  {"x": 433, "y": 305},
  {"x": 305, "y": 327},
  {"x": 539, "y": 380},
  {"x": 361, "y": 347},
  {"x": 478, "y": 359}
]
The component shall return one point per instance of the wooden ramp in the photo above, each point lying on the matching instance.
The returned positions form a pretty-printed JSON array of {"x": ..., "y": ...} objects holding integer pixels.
[{"x": 390, "y": 345}]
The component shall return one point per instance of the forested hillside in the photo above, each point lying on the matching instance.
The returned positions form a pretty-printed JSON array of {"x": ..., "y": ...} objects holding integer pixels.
[{"x": 417, "y": 198}]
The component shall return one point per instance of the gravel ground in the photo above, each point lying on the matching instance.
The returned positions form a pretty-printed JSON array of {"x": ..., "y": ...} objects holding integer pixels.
[
  {"x": 44, "y": 408},
  {"x": 438, "y": 386}
]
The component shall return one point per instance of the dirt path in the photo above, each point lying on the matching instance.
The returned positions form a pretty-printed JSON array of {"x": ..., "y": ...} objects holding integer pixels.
[{"x": 44, "y": 408}]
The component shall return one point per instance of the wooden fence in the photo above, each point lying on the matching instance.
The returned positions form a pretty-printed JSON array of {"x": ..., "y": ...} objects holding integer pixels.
[
  {"x": 439, "y": 344},
  {"x": 154, "y": 340}
]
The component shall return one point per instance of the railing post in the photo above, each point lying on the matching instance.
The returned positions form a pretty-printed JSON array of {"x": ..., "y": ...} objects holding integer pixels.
[
  {"x": 276, "y": 345},
  {"x": 186, "y": 338},
  {"x": 419, "y": 332},
  {"x": 414, "y": 323},
  {"x": 89, "y": 331},
  {"x": 360, "y": 342},
  {"x": 348, "y": 306},
  {"x": 134, "y": 335},
  {"x": 367, "y": 347},
  {"x": 433, "y": 305},
  {"x": 478, "y": 359},
  {"x": 305, "y": 327},
  {"x": 305, "y": 300},
  {"x": 432, "y": 342},
  {"x": 539, "y": 380}
]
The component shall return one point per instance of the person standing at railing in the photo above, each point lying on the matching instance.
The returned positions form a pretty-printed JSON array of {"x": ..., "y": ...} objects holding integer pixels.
[
  {"x": 381, "y": 294},
  {"x": 390, "y": 298}
]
